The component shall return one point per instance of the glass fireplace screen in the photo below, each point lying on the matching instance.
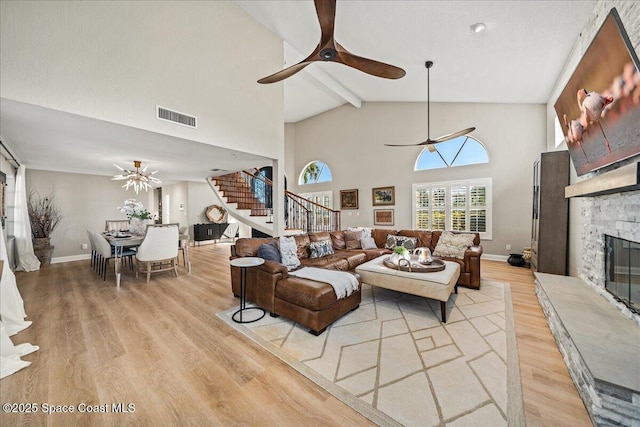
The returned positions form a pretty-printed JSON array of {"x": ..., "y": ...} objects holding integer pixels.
[{"x": 622, "y": 271}]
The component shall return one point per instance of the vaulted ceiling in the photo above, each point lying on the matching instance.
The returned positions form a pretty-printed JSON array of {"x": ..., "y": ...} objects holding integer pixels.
[{"x": 517, "y": 59}]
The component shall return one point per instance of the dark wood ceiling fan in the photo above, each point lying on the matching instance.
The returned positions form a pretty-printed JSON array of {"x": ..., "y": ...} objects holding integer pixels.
[
  {"x": 330, "y": 50},
  {"x": 430, "y": 143}
]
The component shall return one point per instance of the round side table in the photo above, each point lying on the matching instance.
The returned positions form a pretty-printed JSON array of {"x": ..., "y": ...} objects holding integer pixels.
[{"x": 243, "y": 264}]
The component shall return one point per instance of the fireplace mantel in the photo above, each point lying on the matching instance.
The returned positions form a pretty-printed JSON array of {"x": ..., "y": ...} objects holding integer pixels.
[{"x": 626, "y": 178}]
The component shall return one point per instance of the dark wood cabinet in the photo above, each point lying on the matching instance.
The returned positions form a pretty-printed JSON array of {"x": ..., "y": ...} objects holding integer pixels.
[
  {"x": 550, "y": 225},
  {"x": 211, "y": 231}
]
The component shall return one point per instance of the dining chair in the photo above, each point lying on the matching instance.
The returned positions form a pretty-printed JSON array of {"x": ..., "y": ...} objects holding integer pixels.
[
  {"x": 231, "y": 231},
  {"x": 158, "y": 250},
  {"x": 183, "y": 244},
  {"x": 105, "y": 253},
  {"x": 94, "y": 253},
  {"x": 116, "y": 224}
]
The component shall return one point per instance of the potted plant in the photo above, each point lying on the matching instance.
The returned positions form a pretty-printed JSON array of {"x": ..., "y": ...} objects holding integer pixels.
[
  {"x": 400, "y": 252},
  {"x": 44, "y": 217},
  {"x": 138, "y": 216}
]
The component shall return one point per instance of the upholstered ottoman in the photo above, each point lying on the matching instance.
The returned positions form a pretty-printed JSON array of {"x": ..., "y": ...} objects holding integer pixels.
[
  {"x": 311, "y": 303},
  {"x": 438, "y": 285}
]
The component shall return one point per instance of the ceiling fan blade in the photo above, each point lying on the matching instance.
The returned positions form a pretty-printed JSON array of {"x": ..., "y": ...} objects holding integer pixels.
[
  {"x": 287, "y": 72},
  {"x": 427, "y": 142},
  {"x": 369, "y": 66},
  {"x": 326, "y": 11},
  {"x": 453, "y": 135}
]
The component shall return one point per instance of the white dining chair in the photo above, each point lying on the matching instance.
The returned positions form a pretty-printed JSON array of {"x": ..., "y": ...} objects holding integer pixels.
[
  {"x": 105, "y": 253},
  {"x": 159, "y": 250},
  {"x": 183, "y": 244},
  {"x": 231, "y": 231},
  {"x": 94, "y": 253}
]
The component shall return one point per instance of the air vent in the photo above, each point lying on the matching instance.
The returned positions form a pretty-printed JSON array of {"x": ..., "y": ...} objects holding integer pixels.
[{"x": 176, "y": 117}]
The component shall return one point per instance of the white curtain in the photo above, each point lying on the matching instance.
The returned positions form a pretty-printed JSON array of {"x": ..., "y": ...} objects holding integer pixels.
[
  {"x": 10, "y": 354},
  {"x": 12, "y": 316},
  {"x": 12, "y": 312},
  {"x": 25, "y": 259}
]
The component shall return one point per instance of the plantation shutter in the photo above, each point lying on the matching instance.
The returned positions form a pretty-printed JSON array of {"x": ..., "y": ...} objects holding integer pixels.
[
  {"x": 459, "y": 208},
  {"x": 478, "y": 208},
  {"x": 422, "y": 209},
  {"x": 438, "y": 208}
]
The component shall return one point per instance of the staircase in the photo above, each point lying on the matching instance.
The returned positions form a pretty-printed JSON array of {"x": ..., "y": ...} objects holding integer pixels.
[{"x": 247, "y": 196}]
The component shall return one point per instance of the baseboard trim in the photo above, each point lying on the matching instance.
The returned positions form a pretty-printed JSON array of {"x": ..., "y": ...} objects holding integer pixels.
[
  {"x": 58, "y": 260},
  {"x": 492, "y": 257}
]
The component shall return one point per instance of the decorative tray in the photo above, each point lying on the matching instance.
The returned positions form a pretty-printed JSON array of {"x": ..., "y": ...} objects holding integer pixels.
[{"x": 416, "y": 267}]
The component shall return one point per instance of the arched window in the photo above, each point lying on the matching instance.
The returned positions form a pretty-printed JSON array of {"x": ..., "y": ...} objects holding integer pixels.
[
  {"x": 315, "y": 171},
  {"x": 461, "y": 151}
]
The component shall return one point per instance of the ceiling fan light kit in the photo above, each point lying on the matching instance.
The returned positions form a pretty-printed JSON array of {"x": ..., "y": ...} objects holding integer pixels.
[
  {"x": 328, "y": 49},
  {"x": 138, "y": 179},
  {"x": 478, "y": 27},
  {"x": 430, "y": 142}
]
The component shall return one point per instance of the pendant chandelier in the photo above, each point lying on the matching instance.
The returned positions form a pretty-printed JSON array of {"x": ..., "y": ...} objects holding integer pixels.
[{"x": 138, "y": 179}]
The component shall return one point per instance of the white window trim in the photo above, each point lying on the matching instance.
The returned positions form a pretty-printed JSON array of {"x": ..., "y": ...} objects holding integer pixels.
[
  {"x": 487, "y": 182},
  {"x": 445, "y": 165},
  {"x": 301, "y": 174}
]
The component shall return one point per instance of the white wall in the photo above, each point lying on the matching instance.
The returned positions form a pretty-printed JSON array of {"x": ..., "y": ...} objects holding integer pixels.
[
  {"x": 178, "y": 195},
  {"x": 85, "y": 202},
  {"x": 351, "y": 141},
  {"x": 630, "y": 14},
  {"x": 290, "y": 154},
  {"x": 115, "y": 61}
]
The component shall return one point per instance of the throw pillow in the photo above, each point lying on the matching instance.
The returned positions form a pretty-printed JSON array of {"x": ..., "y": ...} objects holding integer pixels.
[
  {"x": 288, "y": 249},
  {"x": 366, "y": 231},
  {"x": 394, "y": 241},
  {"x": 321, "y": 248},
  {"x": 453, "y": 245},
  {"x": 270, "y": 252},
  {"x": 337, "y": 240},
  {"x": 352, "y": 239},
  {"x": 368, "y": 243}
]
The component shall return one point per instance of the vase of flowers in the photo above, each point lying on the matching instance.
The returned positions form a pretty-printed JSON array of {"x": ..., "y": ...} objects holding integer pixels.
[
  {"x": 138, "y": 216},
  {"x": 44, "y": 217}
]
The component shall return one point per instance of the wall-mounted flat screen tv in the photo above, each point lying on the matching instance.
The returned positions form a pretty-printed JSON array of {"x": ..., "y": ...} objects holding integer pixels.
[{"x": 599, "y": 109}]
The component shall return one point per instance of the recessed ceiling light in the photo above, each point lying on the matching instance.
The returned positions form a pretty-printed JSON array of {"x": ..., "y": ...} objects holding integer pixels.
[{"x": 478, "y": 27}]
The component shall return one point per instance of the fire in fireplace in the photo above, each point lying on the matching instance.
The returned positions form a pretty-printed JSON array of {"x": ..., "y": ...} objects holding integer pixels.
[{"x": 622, "y": 271}]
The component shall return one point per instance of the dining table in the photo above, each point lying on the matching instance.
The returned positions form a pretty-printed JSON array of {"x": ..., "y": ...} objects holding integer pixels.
[{"x": 121, "y": 241}]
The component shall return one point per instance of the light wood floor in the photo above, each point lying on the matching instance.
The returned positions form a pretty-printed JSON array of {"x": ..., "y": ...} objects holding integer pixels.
[{"x": 161, "y": 347}]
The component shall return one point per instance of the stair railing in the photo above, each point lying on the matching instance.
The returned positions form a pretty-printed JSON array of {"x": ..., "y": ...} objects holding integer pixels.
[
  {"x": 302, "y": 213},
  {"x": 261, "y": 193}
]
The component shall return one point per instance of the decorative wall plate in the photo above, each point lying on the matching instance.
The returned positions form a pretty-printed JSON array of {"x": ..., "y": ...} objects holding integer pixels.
[{"x": 216, "y": 214}]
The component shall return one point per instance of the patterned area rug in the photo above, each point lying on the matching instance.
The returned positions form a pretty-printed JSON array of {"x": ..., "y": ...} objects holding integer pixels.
[{"x": 397, "y": 364}]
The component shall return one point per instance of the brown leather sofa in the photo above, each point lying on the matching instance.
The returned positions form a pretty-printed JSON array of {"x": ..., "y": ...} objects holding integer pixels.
[{"x": 314, "y": 304}]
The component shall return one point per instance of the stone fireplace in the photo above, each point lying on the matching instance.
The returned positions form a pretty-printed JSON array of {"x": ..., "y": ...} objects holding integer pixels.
[
  {"x": 616, "y": 215},
  {"x": 622, "y": 271}
]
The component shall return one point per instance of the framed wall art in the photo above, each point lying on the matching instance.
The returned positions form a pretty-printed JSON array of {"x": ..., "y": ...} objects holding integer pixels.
[
  {"x": 382, "y": 196},
  {"x": 349, "y": 199},
  {"x": 383, "y": 217}
]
